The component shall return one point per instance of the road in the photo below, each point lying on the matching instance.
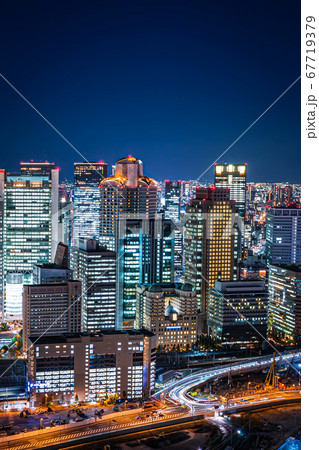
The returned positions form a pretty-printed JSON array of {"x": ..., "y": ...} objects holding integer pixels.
[
  {"x": 54, "y": 436},
  {"x": 177, "y": 391}
]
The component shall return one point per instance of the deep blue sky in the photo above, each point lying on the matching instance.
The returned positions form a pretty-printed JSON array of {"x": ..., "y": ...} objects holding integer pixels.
[{"x": 172, "y": 82}]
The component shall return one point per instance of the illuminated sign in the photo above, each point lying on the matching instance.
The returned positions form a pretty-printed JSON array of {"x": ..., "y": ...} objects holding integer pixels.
[{"x": 219, "y": 169}]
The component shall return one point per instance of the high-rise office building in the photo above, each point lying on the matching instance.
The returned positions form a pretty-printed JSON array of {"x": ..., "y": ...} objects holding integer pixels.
[
  {"x": 283, "y": 235},
  {"x": 173, "y": 200},
  {"x": 145, "y": 254},
  {"x": 86, "y": 216},
  {"x": 127, "y": 194},
  {"x": 233, "y": 176},
  {"x": 36, "y": 168},
  {"x": 61, "y": 255},
  {"x": 51, "y": 309},
  {"x": 284, "y": 310},
  {"x": 173, "y": 192},
  {"x": 95, "y": 266},
  {"x": 2, "y": 181},
  {"x": 231, "y": 304},
  {"x": 212, "y": 241},
  {"x": 30, "y": 231},
  {"x": 90, "y": 367},
  {"x": 66, "y": 212},
  {"x": 89, "y": 172}
]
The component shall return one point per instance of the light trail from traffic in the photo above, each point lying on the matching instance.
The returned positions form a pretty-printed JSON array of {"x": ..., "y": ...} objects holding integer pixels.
[{"x": 179, "y": 389}]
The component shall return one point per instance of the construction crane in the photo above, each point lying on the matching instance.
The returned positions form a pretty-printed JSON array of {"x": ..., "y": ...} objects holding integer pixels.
[{"x": 271, "y": 379}]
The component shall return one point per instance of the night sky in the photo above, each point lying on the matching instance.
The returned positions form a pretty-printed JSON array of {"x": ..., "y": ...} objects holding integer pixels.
[{"x": 173, "y": 83}]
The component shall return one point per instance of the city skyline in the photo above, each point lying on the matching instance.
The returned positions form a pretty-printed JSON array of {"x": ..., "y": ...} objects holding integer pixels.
[{"x": 150, "y": 222}]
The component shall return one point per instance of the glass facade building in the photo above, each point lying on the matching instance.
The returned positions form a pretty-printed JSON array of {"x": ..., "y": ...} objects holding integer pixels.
[
  {"x": 145, "y": 254},
  {"x": 231, "y": 305},
  {"x": 86, "y": 217},
  {"x": 283, "y": 235},
  {"x": 95, "y": 267},
  {"x": 29, "y": 228},
  {"x": 284, "y": 316},
  {"x": 212, "y": 241}
]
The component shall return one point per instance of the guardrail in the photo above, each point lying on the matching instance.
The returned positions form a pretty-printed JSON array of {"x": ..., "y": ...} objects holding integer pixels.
[
  {"x": 261, "y": 405},
  {"x": 35, "y": 433},
  {"x": 138, "y": 428}
]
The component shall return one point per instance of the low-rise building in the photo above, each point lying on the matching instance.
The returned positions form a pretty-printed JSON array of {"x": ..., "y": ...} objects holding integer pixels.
[
  {"x": 82, "y": 366},
  {"x": 169, "y": 310}
]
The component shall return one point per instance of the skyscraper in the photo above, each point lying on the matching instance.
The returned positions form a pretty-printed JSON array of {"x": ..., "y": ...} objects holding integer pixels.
[
  {"x": 127, "y": 194},
  {"x": 87, "y": 177},
  {"x": 233, "y": 176},
  {"x": 95, "y": 267},
  {"x": 51, "y": 309},
  {"x": 2, "y": 180},
  {"x": 89, "y": 172},
  {"x": 30, "y": 227},
  {"x": 212, "y": 241},
  {"x": 283, "y": 235},
  {"x": 173, "y": 200},
  {"x": 173, "y": 194},
  {"x": 145, "y": 254},
  {"x": 284, "y": 311}
]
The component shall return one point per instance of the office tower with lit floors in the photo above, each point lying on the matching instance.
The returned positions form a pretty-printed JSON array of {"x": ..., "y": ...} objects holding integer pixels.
[
  {"x": 30, "y": 230},
  {"x": 173, "y": 192},
  {"x": 284, "y": 311},
  {"x": 2, "y": 180},
  {"x": 233, "y": 176},
  {"x": 87, "y": 178},
  {"x": 232, "y": 306},
  {"x": 126, "y": 194},
  {"x": 51, "y": 309},
  {"x": 212, "y": 241},
  {"x": 95, "y": 266},
  {"x": 145, "y": 254},
  {"x": 92, "y": 367},
  {"x": 66, "y": 212},
  {"x": 173, "y": 200},
  {"x": 283, "y": 235}
]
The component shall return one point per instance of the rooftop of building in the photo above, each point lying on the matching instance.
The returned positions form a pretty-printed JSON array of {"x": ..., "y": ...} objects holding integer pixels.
[
  {"x": 53, "y": 284},
  {"x": 65, "y": 337},
  {"x": 51, "y": 266},
  {"x": 129, "y": 160},
  {"x": 291, "y": 267},
  {"x": 160, "y": 287}
]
